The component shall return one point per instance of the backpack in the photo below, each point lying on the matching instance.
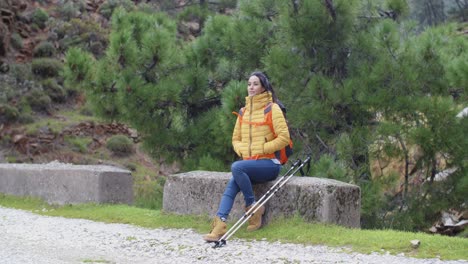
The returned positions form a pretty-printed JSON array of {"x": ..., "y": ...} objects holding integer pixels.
[{"x": 283, "y": 154}]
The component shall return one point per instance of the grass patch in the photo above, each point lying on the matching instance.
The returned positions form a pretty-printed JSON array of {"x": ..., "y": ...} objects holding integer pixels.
[
  {"x": 54, "y": 125},
  {"x": 293, "y": 230},
  {"x": 108, "y": 213},
  {"x": 74, "y": 116},
  {"x": 70, "y": 117},
  {"x": 78, "y": 144}
]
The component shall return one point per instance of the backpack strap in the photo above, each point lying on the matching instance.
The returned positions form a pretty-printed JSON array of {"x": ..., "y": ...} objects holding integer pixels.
[
  {"x": 269, "y": 117},
  {"x": 240, "y": 114},
  {"x": 266, "y": 110}
]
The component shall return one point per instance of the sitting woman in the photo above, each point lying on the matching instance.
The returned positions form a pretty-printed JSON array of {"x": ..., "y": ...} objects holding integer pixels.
[{"x": 256, "y": 144}]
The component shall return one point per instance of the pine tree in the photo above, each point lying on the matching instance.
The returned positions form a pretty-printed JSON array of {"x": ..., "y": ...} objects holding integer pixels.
[
  {"x": 135, "y": 81},
  {"x": 356, "y": 78}
]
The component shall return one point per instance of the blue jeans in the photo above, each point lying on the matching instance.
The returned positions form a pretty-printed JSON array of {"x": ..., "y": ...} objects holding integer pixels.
[{"x": 244, "y": 174}]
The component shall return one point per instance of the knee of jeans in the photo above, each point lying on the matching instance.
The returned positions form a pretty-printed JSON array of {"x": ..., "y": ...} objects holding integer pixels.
[{"x": 235, "y": 166}]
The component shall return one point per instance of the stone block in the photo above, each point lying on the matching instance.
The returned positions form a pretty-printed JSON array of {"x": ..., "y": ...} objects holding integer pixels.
[
  {"x": 315, "y": 199},
  {"x": 59, "y": 183}
]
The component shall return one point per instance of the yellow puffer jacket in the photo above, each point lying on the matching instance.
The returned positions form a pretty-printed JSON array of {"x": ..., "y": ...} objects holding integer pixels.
[{"x": 250, "y": 140}]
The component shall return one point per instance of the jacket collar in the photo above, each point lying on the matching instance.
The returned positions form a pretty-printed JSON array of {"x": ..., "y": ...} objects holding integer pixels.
[{"x": 258, "y": 101}]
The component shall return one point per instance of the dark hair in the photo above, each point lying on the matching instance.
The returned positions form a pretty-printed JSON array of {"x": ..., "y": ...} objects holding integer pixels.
[{"x": 263, "y": 77}]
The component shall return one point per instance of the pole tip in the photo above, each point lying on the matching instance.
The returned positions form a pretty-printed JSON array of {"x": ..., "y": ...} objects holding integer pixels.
[{"x": 219, "y": 243}]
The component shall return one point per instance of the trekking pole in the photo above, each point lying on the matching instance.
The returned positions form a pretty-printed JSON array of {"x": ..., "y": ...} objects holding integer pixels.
[
  {"x": 239, "y": 222},
  {"x": 222, "y": 241}
]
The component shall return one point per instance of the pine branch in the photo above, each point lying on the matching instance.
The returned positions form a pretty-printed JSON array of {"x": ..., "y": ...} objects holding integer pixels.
[
  {"x": 387, "y": 14},
  {"x": 405, "y": 151},
  {"x": 331, "y": 9},
  {"x": 295, "y": 4},
  {"x": 112, "y": 89},
  {"x": 321, "y": 142}
]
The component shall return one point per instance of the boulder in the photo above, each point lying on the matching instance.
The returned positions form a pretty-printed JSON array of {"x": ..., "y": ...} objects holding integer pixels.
[
  {"x": 59, "y": 183},
  {"x": 314, "y": 199}
]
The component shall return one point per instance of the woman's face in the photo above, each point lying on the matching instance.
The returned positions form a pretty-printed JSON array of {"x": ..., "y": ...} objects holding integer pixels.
[{"x": 254, "y": 86}]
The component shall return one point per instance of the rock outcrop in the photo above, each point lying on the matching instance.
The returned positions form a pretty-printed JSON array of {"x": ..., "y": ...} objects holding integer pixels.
[{"x": 314, "y": 199}]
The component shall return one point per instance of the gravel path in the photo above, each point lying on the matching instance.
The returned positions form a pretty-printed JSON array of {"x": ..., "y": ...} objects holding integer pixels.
[{"x": 31, "y": 238}]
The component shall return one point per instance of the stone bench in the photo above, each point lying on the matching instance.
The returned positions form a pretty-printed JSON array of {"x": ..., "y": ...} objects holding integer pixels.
[
  {"x": 59, "y": 183},
  {"x": 314, "y": 199}
]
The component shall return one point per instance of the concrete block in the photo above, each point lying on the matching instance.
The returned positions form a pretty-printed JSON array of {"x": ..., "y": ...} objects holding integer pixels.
[
  {"x": 315, "y": 199},
  {"x": 59, "y": 183}
]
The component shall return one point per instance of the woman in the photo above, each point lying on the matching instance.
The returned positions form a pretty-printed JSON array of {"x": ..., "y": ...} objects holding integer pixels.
[{"x": 256, "y": 144}]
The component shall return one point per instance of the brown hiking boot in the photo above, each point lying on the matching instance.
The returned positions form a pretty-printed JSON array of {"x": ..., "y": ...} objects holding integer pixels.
[
  {"x": 218, "y": 229},
  {"x": 255, "y": 222}
]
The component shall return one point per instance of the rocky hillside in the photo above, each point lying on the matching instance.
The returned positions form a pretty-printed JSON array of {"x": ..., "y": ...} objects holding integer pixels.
[{"x": 43, "y": 120}]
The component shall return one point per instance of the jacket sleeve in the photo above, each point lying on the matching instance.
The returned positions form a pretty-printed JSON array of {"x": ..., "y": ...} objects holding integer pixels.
[
  {"x": 281, "y": 131},
  {"x": 237, "y": 138}
]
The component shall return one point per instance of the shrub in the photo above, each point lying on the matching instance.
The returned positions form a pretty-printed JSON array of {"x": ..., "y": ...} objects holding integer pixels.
[
  {"x": 46, "y": 67},
  {"x": 26, "y": 118},
  {"x": 38, "y": 100},
  {"x": 7, "y": 89},
  {"x": 109, "y": 6},
  {"x": 21, "y": 72},
  {"x": 86, "y": 110},
  {"x": 131, "y": 166},
  {"x": 120, "y": 145},
  {"x": 207, "y": 162},
  {"x": 54, "y": 90},
  {"x": 328, "y": 167},
  {"x": 78, "y": 144},
  {"x": 149, "y": 194},
  {"x": 16, "y": 41},
  {"x": 40, "y": 17},
  {"x": 69, "y": 10},
  {"x": 8, "y": 113},
  {"x": 84, "y": 33},
  {"x": 44, "y": 49}
]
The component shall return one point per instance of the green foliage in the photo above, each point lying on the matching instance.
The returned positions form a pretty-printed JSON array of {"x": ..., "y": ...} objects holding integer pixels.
[
  {"x": 108, "y": 8},
  {"x": 54, "y": 90},
  {"x": 78, "y": 144},
  {"x": 71, "y": 9},
  {"x": 16, "y": 41},
  {"x": 149, "y": 194},
  {"x": 399, "y": 7},
  {"x": 40, "y": 18},
  {"x": 78, "y": 66},
  {"x": 421, "y": 111},
  {"x": 357, "y": 84},
  {"x": 135, "y": 75},
  {"x": 78, "y": 71},
  {"x": 46, "y": 67},
  {"x": 8, "y": 113},
  {"x": 21, "y": 72},
  {"x": 193, "y": 12},
  {"x": 120, "y": 145},
  {"x": 26, "y": 118},
  {"x": 84, "y": 33},
  {"x": 327, "y": 167},
  {"x": 7, "y": 91},
  {"x": 211, "y": 164},
  {"x": 44, "y": 49},
  {"x": 38, "y": 100}
]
